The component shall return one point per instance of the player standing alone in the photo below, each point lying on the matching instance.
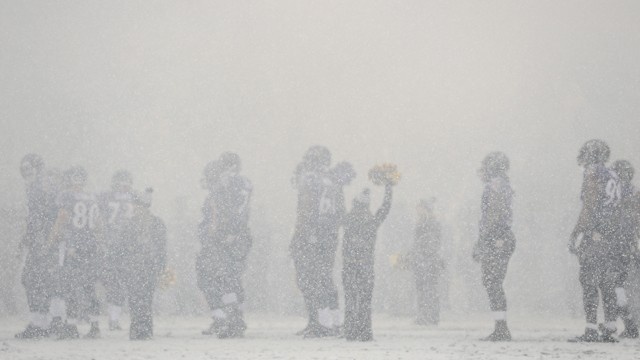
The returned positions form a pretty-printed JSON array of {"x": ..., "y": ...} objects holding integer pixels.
[{"x": 496, "y": 242}]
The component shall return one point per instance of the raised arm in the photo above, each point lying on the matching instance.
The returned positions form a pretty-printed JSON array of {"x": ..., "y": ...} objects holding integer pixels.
[{"x": 384, "y": 209}]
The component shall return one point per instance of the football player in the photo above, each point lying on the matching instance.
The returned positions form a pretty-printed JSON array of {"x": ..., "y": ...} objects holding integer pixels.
[
  {"x": 144, "y": 259},
  {"x": 358, "y": 251},
  {"x": 226, "y": 241},
  {"x": 594, "y": 241},
  {"x": 78, "y": 233},
  {"x": 496, "y": 241},
  {"x": 116, "y": 206},
  {"x": 313, "y": 248},
  {"x": 41, "y": 188},
  {"x": 627, "y": 243},
  {"x": 426, "y": 263}
]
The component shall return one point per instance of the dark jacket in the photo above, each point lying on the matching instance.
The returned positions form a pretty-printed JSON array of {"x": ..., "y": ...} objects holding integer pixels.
[{"x": 360, "y": 233}]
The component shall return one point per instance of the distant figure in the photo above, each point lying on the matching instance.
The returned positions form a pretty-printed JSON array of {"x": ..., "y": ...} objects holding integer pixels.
[
  {"x": 144, "y": 258},
  {"x": 627, "y": 241},
  {"x": 78, "y": 232},
  {"x": 358, "y": 251},
  {"x": 225, "y": 243},
  {"x": 313, "y": 248},
  {"x": 41, "y": 188},
  {"x": 594, "y": 241},
  {"x": 496, "y": 242},
  {"x": 426, "y": 263},
  {"x": 116, "y": 206}
]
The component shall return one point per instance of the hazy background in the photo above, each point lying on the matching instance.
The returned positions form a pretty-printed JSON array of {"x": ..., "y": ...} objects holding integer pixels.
[{"x": 162, "y": 87}]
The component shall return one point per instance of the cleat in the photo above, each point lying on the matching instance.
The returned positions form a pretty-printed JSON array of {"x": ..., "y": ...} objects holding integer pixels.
[
  {"x": 630, "y": 330},
  {"x": 607, "y": 338},
  {"x": 215, "y": 327},
  {"x": 497, "y": 336},
  {"x": 114, "y": 325},
  {"x": 94, "y": 332},
  {"x": 501, "y": 333},
  {"x": 590, "y": 335},
  {"x": 68, "y": 331},
  {"x": 141, "y": 336},
  {"x": 303, "y": 331},
  {"x": 629, "y": 333},
  {"x": 56, "y": 326},
  {"x": 319, "y": 331},
  {"x": 607, "y": 334},
  {"x": 234, "y": 328},
  {"x": 32, "y": 332}
]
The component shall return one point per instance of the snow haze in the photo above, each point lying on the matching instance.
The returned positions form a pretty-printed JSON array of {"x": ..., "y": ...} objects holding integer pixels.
[{"x": 160, "y": 88}]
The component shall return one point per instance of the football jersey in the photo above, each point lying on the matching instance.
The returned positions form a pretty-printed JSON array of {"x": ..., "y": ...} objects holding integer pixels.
[
  {"x": 331, "y": 205},
  {"x": 38, "y": 207},
  {"x": 117, "y": 210},
  {"x": 497, "y": 214},
  {"x": 627, "y": 211},
  {"x": 608, "y": 192},
  {"x": 84, "y": 216},
  {"x": 232, "y": 203}
]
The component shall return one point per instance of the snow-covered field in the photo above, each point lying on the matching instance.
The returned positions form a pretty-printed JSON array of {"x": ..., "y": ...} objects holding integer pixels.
[{"x": 271, "y": 337}]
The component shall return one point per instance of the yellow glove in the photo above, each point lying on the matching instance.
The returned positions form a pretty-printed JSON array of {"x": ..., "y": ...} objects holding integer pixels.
[
  {"x": 167, "y": 278},
  {"x": 398, "y": 261},
  {"x": 385, "y": 174}
]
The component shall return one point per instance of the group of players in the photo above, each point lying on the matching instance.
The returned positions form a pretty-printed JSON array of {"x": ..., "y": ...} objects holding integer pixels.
[
  {"x": 605, "y": 241},
  {"x": 75, "y": 239},
  {"x": 71, "y": 233}
]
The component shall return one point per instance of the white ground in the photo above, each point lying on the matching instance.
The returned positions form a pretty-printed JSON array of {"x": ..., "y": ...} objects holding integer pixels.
[{"x": 271, "y": 337}]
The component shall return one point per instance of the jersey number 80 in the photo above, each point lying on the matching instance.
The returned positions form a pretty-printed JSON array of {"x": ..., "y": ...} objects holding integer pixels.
[{"x": 84, "y": 216}]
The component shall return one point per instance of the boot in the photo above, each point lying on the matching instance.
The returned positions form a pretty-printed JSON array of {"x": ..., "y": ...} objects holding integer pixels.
[
  {"x": 139, "y": 331},
  {"x": 304, "y": 331},
  {"x": 32, "y": 332},
  {"x": 216, "y": 326},
  {"x": 606, "y": 334},
  {"x": 114, "y": 325},
  {"x": 590, "y": 335},
  {"x": 501, "y": 332},
  {"x": 68, "y": 331},
  {"x": 234, "y": 327},
  {"x": 94, "y": 331},
  {"x": 319, "y": 331},
  {"x": 630, "y": 330},
  {"x": 56, "y": 326}
]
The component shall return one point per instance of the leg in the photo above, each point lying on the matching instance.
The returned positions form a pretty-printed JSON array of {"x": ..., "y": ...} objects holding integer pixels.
[
  {"x": 494, "y": 270},
  {"x": 232, "y": 299},
  {"x": 114, "y": 281},
  {"x": 141, "y": 308},
  {"x": 589, "y": 282},
  {"x": 365, "y": 298},
  {"x": 350, "y": 302},
  {"x": 35, "y": 281},
  {"x": 90, "y": 302},
  {"x": 432, "y": 298}
]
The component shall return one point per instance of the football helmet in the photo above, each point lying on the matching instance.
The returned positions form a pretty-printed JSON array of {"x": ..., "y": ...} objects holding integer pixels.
[
  {"x": 623, "y": 169},
  {"x": 230, "y": 161},
  {"x": 495, "y": 163},
  {"x": 343, "y": 173},
  {"x": 594, "y": 151},
  {"x": 30, "y": 166},
  {"x": 317, "y": 156},
  {"x": 211, "y": 174},
  {"x": 122, "y": 178}
]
